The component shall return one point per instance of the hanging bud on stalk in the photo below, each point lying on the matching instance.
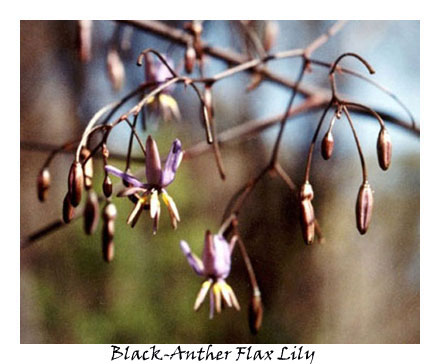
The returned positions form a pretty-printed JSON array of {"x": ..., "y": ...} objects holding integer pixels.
[
  {"x": 207, "y": 96},
  {"x": 68, "y": 209},
  {"x": 190, "y": 58},
  {"x": 364, "y": 207},
  {"x": 84, "y": 40},
  {"x": 91, "y": 213},
  {"x": 76, "y": 182},
  {"x": 87, "y": 168},
  {"x": 307, "y": 214},
  {"x": 255, "y": 313},
  {"x": 384, "y": 147},
  {"x": 107, "y": 186},
  {"x": 270, "y": 35},
  {"x": 43, "y": 184},
  {"x": 115, "y": 69},
  {"x": 108, "y": 231},
  {"x": 327, "y": 145}
]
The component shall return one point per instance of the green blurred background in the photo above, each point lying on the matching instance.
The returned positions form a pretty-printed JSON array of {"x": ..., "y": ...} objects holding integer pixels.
[{"x": 352, "y": 289}]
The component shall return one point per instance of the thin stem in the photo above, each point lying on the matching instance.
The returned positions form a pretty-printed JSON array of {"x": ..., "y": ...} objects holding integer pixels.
[
  {"x": 277, "y": 144},
  {"x": 130, "y": 143},
  {"x": 361, "y": 155},
  {"x": 248, "y": 265}
]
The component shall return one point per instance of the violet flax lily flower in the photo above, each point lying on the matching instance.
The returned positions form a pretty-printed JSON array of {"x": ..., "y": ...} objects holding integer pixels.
[
  {"x": 157, "y": 179},
  {"x": 214, "y": 266}
]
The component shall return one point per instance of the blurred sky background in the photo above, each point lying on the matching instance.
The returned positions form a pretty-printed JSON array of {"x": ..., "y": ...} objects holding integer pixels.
[{"x": 352, "y": 289}]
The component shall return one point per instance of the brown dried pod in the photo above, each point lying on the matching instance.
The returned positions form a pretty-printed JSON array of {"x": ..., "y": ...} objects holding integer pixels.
[
  {"x": 307, "y": 220},
  {"x": 107, "y": 186},
  {"x": 84, "y": 40},
  {"x": 115, "y": 69},
  {"x": 207, "y": 96},
  {"x": 190, "y": 58},
  {"x": 364, "y": 207},
  {"x": 108, "y": 250},
  {"x": 270, "y": 35},
  {"x": 327, "y": 145},
  {"x": 384, "y": 148},
  {"x": 87, "y": 168},
  {"x": 43, "y": 184},
  {"x": 306, "y": 191},
  {"x": 91, "y": 213},
  {"x": 105, "y": 151},
  {"x": 255, "y": 313},
  {"x": 68, "y": 209},
  {"x": 76, "y": 182}
]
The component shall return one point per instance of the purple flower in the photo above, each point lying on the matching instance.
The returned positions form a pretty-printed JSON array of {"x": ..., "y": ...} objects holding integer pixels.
[
  {"x": 215, "y": 266},
  {"x": 157, "y": 179}
]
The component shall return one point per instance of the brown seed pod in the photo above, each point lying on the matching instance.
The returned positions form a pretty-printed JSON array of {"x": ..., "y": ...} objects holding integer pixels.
[
  {"x": 108, "y": 231},
  {"x": 108, "y": 250},
  {"x": 115, "y": 69},
  {"x": 43, "y": 184},
  {"x": 91, "y": 213},
  {"x": 107, "y": 186},
  {"x": 306, "y": 192},
  {"x": 255, "y": 313},
  {"x": 84, "y": 40},
  {"x": 384, "y": 148},
  {"x": 76, "y": 181},
  {"x": 87, "y": 168},
  {"x": 327, "y": 145},
  {"x": 307, "y": 220},
  {"x": 68, "y": 209},
  {"x": 270, "y": 35},
  {"x": 207, "y": 96},
  {"x": 190, "y": 58},
  {"x": 364, "y": 207}
]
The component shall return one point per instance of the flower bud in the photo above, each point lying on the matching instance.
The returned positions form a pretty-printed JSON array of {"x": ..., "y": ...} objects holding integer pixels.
[
  {"x": 208, "y": 101},
  {"x": 306, "y": 191},
  {"x": 43, "y": 184},
  {"x": 68, "y": 209},
  {"x": 110, "y": 212},
  {"x": 270, "y": 35},
  {"x": 190, "y": 58},
  {"x": 255, "y": 313},
  {"x": 87, "y": 168},
  {"x": 364, "y": 207},
  {"x": 84, "y": 40},
  {"x": 91, "y": 213},
  {"x": 327, "y": 145},
  {"x": 307, "y": 220},
  {"x": 107, "y": 186},
  {"x": 115, "y": 69},
  {"x": 108, "y": 250},
  {"x": 384, "y": 147},
  {"x": 76, "y": 181}
]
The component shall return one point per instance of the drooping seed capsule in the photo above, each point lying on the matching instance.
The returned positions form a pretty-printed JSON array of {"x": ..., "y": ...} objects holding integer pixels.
[
  {"x": 327, "y": 145},
  {"x": 255, "y": 313},
  {"x": 384, "y": 148},
  {"x": 306, "y": 191},
  {"x": 108, "y": 232},
  {"x": 87, "y": 168},
  {"x": 270, "y": 35},
  {"x": 91, "y": 213},
  {"x": 307, "y": 221},
  {"x": 68, "y": 209},
  {"x": 190, "y": 58},
  {"x": 43, "y": 184},
  {"x": 115, "y": 69},
  {"x": 84, "y": 40},
  {"x": 107, "y": 186},
  {"x": 207, "y": 96},
  {"x": 364, "y": 207},
  {"x": 76, "y": 181}
]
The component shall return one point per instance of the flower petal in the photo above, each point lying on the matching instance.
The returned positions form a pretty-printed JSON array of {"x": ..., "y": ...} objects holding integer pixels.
[
  {"x": 225, "y": 293},
  {"x": 130, "y": 191},
  {"x": 217, "y": 297},
  {"x": 154, "y": 204},
  {"x": 137, "y": 211},
  {"x": 172, "y": 163},
  {"x": 172, "y": 208},
  {"x": 153, "y": 168},
  {"x": 169, "y": 106},
  {"x": 202, "y": 294},
  {"x": 125, "y": 176},
  {"x": 192, "y": 259}
]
